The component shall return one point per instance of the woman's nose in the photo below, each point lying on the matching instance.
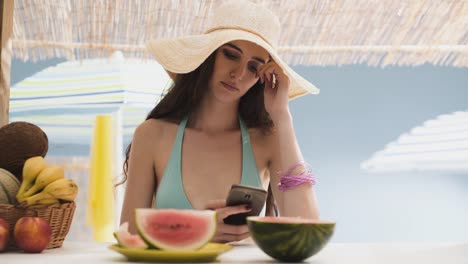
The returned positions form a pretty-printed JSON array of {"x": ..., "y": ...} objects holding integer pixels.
[{"x": 238, "y": 72}]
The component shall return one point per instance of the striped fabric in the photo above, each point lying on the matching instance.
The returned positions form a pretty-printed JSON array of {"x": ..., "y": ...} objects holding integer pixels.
[
  {"x": 440, "y": 144},
  {"x": 64, "y": 99}
]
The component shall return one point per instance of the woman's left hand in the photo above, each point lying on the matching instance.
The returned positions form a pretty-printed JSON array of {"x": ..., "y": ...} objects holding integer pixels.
[
  {"x": 228, "y": 233},
  {"x": 276, "y": 86}
]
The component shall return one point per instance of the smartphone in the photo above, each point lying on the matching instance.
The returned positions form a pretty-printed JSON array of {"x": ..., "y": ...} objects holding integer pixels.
[{"x": 248, "y": 195}]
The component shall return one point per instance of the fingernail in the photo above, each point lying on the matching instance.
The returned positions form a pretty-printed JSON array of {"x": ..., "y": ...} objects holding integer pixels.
[{"x": 248, "y": 207}]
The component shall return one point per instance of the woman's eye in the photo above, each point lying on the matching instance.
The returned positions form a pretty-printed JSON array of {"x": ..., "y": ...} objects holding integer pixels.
[
  {"x": 229, "y": 55},
  {"x": 253, "y": 68}
]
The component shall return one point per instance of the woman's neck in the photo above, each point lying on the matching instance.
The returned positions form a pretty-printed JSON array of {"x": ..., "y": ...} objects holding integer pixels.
[{"x": 214, "y": 117}]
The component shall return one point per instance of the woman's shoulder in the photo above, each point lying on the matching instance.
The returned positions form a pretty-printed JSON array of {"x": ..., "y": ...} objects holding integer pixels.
[{"x": 154, "y": 129}]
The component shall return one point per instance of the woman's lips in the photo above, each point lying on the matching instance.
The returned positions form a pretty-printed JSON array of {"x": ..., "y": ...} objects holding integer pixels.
[{"x": 229, "y": 87}]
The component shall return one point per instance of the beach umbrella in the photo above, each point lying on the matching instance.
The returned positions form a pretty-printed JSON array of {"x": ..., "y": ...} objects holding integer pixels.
[
  {"x": 440, "y": 144},
  {"x": 97, "y": 103},
  {"x": 64, "y": 99}
]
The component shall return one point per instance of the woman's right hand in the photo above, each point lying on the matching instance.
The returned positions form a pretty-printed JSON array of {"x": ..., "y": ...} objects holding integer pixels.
[{"x": 228, "y": 233}]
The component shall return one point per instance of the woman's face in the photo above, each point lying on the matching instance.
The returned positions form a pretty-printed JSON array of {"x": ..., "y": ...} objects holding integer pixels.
[{"x": 235, "y": 69}]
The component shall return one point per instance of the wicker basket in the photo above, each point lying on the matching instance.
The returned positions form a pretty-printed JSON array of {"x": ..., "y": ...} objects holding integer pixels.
[{"x": 59, "y": 216}]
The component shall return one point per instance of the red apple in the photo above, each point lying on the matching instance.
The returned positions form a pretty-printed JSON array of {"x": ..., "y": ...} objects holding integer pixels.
[
  {"x": 32, "y": 234},
  {"x": 4, "y": 234}
]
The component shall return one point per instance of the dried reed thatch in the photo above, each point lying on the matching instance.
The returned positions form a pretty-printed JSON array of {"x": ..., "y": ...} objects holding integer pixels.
[{"x": 315, "y": 32}]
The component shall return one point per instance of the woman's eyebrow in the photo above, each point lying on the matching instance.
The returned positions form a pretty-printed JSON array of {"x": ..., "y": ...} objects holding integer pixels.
[{"x": 240, "y": 50}]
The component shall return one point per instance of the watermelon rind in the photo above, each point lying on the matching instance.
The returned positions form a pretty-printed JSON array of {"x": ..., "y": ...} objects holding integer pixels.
[
  {"x": 289, "y": 239},
  {"x": 128, "y": 240},
  {"x": 144, "y": 214}
]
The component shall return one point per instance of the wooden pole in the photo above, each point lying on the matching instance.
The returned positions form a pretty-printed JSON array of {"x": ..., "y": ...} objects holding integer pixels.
[{"x": 6, "y": 29}]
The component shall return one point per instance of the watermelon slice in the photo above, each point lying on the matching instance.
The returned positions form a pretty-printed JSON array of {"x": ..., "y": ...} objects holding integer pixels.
[
  {"x": 176, "y": 229},
  {"x": 290, "y": 239},
  {"x": 128, "y": 240}
]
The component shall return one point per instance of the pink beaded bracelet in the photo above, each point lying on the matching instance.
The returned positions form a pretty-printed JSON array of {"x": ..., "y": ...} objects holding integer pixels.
[{"x": 289, "y": 181}]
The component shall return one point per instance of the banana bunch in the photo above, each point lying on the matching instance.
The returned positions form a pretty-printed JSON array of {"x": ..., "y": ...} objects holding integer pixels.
[{"x": 44, "y": 184}]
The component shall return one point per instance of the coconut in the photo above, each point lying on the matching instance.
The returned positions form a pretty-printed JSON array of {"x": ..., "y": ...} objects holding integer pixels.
[
  {"x": 20, "y": 141},
  {"x": 9, "y": 186}
]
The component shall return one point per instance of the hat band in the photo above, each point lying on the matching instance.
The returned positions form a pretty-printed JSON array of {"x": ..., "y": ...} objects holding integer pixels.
[{"x": 239, "y": 28}]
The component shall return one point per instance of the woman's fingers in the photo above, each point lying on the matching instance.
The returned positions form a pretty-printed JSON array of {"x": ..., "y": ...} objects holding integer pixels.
[
  {"x": 266, "y": 71},
  {"x": 234, "y": 229},
  {"x": 230, "y": 210},
  {"x": 225, "y": 238},
  {"x": 224, "y": 211},
  {"x": 215, "y": 204},
  {"x": 273, "y": 76},
  {"x": 227, "y": 233}
]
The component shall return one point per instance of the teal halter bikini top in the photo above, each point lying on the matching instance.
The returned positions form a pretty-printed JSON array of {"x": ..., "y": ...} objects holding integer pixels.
[{"x": 171, "y": 192}]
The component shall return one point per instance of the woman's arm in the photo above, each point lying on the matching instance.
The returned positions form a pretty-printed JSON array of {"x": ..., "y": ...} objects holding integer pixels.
[
  {"x": 141, "y": 178},
  {"x": 301, "y": 200}
]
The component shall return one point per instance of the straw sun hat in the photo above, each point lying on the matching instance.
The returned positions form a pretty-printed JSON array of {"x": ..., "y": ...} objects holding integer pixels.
[{"x": 233, "y": 20}]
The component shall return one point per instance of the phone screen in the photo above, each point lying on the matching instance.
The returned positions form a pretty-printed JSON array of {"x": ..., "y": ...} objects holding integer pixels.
[{"x": 248, "y": 195}]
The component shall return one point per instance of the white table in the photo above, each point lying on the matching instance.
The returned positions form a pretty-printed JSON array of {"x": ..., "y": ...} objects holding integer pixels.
[{"x": 334, "y": 253}]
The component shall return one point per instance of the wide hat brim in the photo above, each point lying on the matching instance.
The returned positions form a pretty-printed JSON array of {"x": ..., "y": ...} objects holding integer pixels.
[{"x": 185, "y": 54}]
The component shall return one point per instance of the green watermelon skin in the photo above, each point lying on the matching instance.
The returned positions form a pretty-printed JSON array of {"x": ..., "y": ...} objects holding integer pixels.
[{"x": 290, "y": 241}]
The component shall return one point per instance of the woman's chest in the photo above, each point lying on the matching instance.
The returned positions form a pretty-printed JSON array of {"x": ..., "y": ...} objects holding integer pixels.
[{"x": 209, "y": 165}]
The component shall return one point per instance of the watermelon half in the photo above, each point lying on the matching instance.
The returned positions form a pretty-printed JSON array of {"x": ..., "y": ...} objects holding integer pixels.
[
  {"x": 176, "y": 229},
  {"x": 289, "y": 239},
  {"x": 128, "y": 240}
]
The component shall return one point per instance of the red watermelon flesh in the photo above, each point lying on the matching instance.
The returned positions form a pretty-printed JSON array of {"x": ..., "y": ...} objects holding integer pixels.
[
  {"x": 128, "y": 240},
  {"x": 175, "y": 229}
]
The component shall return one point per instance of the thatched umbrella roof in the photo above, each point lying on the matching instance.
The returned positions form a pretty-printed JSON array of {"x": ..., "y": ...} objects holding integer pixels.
[
  {"x": 319, "y": 32},
  {"x": 314, "y": 32}
]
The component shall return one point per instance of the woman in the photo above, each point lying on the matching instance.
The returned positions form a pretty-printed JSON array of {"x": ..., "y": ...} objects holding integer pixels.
[{"x": 224, "y": 121}]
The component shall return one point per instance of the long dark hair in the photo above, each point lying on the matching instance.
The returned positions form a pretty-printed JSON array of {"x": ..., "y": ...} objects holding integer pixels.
[{"x": 185, "y": 95}]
